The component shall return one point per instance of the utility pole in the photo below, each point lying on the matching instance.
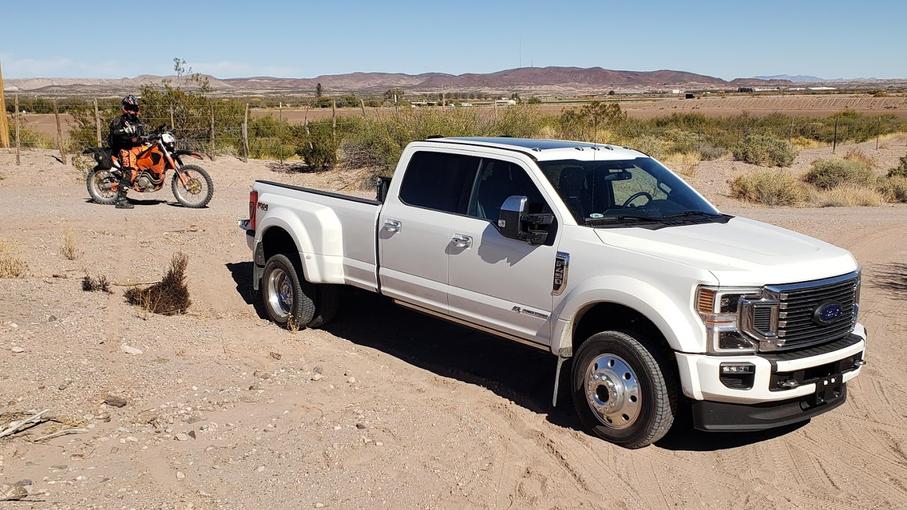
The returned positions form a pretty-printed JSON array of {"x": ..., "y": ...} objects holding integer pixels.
[{"x": 4, "y": 126}]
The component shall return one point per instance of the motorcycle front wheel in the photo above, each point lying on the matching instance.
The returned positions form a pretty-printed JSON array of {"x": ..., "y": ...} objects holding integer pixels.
[
  {"x": 198, "y": 188},
  {"x": 102, "y": 186}
]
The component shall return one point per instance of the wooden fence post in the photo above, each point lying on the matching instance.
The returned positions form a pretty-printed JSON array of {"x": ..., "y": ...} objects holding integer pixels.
[
  {"x": 213, "y": 146},
  {"x": 333, "y": 118},
  {"x": 4, "y": 127},
  {"x": 362, "y": 106},
  {"x": 97, "y": 121},
  {"x": 59, "y": 133},
  {"x": 834, "y": 142},
  {"x": 878, "y": 131},
  {"x": 245, "y": 135},
  {"x": 16, "y": 120},
  {"x": 172, "y": 122}
]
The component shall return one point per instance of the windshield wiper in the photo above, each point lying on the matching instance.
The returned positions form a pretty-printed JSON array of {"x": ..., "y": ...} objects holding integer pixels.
[
  {"x": 687, "y": 214},
  {"x": 610, "y": 220}
]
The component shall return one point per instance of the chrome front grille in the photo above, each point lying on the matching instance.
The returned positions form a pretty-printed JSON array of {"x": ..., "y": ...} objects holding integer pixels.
[{"x": 797, "y": 315}]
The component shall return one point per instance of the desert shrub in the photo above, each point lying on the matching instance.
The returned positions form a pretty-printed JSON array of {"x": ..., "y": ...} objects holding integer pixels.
[
  {"x": 849, "y": 195},
  {"x": 11, "y": 266},
  {"x": 831, "y": 173},
  {"x": 652, "y": 145},
  {"x": 900, "y": 170},
  {"x": 99, "y": 284},
  {"x": 683, "y": 163},
  {"x": 581, "y": 123},
  {"x": 170, "y": 296},
  {"x": 521, "y": 121},
  {"x": 894, "y": 188},
  {"x": 764, "y": 150},
  {"x": 29, "y": 139},
  {"x": 769, "y": 188},
  {"x": 709, "y": 152},
  {"x": 801, "y": 142},
  {"x": 319, "y": 146}
]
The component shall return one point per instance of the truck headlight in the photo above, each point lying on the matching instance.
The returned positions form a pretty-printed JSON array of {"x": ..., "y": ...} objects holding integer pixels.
[{"x": 719, "y": 310}]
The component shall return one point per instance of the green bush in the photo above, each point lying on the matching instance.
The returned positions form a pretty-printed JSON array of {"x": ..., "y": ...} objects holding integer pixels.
[
  {"x": 900, "y": 170},
  {"x": 772, "y": 188},
  {"x": 831, "y": 173},
  {"x": 319, "y": 145},
  {"x": 764, "y": 150}
]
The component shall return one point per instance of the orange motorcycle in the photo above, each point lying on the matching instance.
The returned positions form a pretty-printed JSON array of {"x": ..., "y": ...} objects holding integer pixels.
[{"x": 191, "y": 184}]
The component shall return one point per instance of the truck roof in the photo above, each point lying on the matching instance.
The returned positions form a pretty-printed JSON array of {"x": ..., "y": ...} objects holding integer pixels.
[{"x": 546, "y": 149}]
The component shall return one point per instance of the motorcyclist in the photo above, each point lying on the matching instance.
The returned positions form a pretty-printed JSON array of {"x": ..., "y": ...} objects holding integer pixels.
[{"x": 126, "y": 132}]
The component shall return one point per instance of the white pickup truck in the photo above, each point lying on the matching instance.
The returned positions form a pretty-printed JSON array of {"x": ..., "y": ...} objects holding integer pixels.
[{"x": 596, "y": 253}]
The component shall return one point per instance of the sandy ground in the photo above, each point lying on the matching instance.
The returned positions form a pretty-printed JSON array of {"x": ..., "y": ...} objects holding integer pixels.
[{"x": 383, "y": 408}]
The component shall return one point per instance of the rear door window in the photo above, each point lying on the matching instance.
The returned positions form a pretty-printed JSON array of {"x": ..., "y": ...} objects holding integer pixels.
[{"x": 439, "y": 181}]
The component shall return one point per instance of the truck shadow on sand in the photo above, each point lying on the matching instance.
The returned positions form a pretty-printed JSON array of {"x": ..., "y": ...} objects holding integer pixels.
[{"x": 512, "y": 371}]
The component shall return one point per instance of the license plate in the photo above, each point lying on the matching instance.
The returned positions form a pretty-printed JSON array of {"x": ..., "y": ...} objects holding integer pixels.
[{"x": 829, "y": 389}]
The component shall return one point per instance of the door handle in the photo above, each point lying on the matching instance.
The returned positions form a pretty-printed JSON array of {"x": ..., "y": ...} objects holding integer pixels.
[
  {"x": 461, "y": 241},
  {"x": 392, "y": 226}
]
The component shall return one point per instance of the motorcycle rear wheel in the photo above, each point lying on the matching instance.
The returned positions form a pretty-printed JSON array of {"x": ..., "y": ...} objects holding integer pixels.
[
  {"x": 102, "y": 186},
  {"x": 198, "y": 190}
]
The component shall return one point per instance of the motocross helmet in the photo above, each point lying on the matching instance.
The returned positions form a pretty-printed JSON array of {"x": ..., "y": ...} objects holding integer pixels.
[{"x": 131, "y": 105}]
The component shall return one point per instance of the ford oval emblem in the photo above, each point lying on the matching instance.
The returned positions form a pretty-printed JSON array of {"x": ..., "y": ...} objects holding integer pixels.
[{"x": 828, "y": 313}]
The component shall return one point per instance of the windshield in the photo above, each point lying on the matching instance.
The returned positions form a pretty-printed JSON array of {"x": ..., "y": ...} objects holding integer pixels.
[{"x": 625, "y": 191}]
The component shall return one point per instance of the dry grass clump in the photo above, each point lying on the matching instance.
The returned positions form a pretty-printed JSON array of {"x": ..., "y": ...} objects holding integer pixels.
[
  {"x": 70, "y": 249},
  {"x": 850, "y": 195},
  {"x": 858, "y": 156},
  {"x": 168, "y": 297},
  {"x": 683, "y": 163},
  {"x": 769, "y": 188},
  {"x": 801, "y": 142},
  {"x": 11, "y": 266},
  {"x": 894, "y": 189},
  {"x": 764, "y": 150},
  {"x": 99, "y": 284},
  {"x": 826, "y": 174}
]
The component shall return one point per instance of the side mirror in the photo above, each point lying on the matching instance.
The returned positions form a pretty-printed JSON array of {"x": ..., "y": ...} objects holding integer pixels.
[{"x": 515, "y": 223}]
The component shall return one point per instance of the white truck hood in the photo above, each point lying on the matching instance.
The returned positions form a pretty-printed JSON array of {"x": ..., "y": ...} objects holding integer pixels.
[{"x": 741, "y": 252}]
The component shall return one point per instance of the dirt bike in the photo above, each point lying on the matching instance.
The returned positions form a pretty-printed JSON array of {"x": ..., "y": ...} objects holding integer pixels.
[{"x": 191, "y": 184}]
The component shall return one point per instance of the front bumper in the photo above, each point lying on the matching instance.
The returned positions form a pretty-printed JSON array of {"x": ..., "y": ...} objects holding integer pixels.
[
  {"x": 700, "y": 373},
  {"x": 726, "y": 417}
]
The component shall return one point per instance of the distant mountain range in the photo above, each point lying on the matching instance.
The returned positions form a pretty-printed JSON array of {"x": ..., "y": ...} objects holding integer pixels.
[
  {"x": 796, "y": 78},
  {"x": 539, "y": 80}
]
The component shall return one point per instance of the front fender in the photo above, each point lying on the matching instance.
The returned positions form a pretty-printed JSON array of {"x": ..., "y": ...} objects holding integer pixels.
[
  {"x": 314, "y": 231},
  {"x": 680, "y": 327}
]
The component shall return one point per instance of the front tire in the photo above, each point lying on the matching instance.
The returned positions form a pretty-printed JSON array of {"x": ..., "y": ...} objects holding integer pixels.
[
  {"x": 623, "y": 392},
  {"x": 199, "y": 188},
  {"x": 102, "y": 186}
]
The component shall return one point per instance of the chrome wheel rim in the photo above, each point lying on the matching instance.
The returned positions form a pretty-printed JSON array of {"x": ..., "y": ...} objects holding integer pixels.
[
  {"x": 612, "y": 391},
  {"x": 280, "y": 293}
]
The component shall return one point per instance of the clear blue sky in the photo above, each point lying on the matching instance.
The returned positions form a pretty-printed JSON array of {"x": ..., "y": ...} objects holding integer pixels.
[{"x": 728, "y": 39}]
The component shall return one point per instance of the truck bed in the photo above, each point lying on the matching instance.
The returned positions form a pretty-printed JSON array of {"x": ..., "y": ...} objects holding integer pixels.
[{"x": 335, "y": 233}]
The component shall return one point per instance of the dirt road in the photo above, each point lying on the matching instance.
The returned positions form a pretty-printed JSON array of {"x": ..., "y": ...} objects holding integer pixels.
[{"x": 384, "y": 408}]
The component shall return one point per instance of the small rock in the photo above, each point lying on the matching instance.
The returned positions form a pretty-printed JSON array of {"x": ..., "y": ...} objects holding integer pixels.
[
  {"x": 351, "y": 380},
  {"x": 115, "y": 401},
  {"x": 182, "y": 436},
  {"x": 65, "y": 384},
  {"x": 128, "y": 349},
  {"x": 192, "y": 434},
  {"x": 275, "y": 355},
  {"x": 318, "y": 369},
  {"x": 361, "y": 426},
  {"x": 52, "y": 318},
  {"x": 317, "y": 377},
  {"x": 16, "y": 349},
  {"x": 379, "y": 443},
  {"x": 319, "y": 505},
  {"x": 180, "y": 475},
  {"x": 263, "y": 375},
  {"x": 254, "y": 387},
  {"x": 14, "y": 492},
  {"x": 260, "y": 469}
]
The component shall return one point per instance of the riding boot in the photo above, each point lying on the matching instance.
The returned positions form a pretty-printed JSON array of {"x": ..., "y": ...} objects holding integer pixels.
[{"x": 122, "y": 202}]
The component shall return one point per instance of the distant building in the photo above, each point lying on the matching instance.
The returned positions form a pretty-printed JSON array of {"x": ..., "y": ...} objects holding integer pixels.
[
  {"x": 505, "y": 102},
  {"x": 746, "y": 89}
]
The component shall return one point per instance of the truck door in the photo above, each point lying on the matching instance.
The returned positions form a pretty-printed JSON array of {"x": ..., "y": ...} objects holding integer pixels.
[
  {"x": 414, "y": 228},
  {"x": 498, "y": 282}
]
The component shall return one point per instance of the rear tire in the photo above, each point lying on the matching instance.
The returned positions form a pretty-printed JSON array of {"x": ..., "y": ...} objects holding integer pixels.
[
  {"x": 200, "y": 187},
  {"x": 95, "y": 180},
  {"x": 623, "y": 392},
  {"x": 287, "y": 298}
]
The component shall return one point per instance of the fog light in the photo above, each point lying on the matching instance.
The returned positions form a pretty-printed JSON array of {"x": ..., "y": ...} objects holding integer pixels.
[{"x": 738, "y": 376}]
